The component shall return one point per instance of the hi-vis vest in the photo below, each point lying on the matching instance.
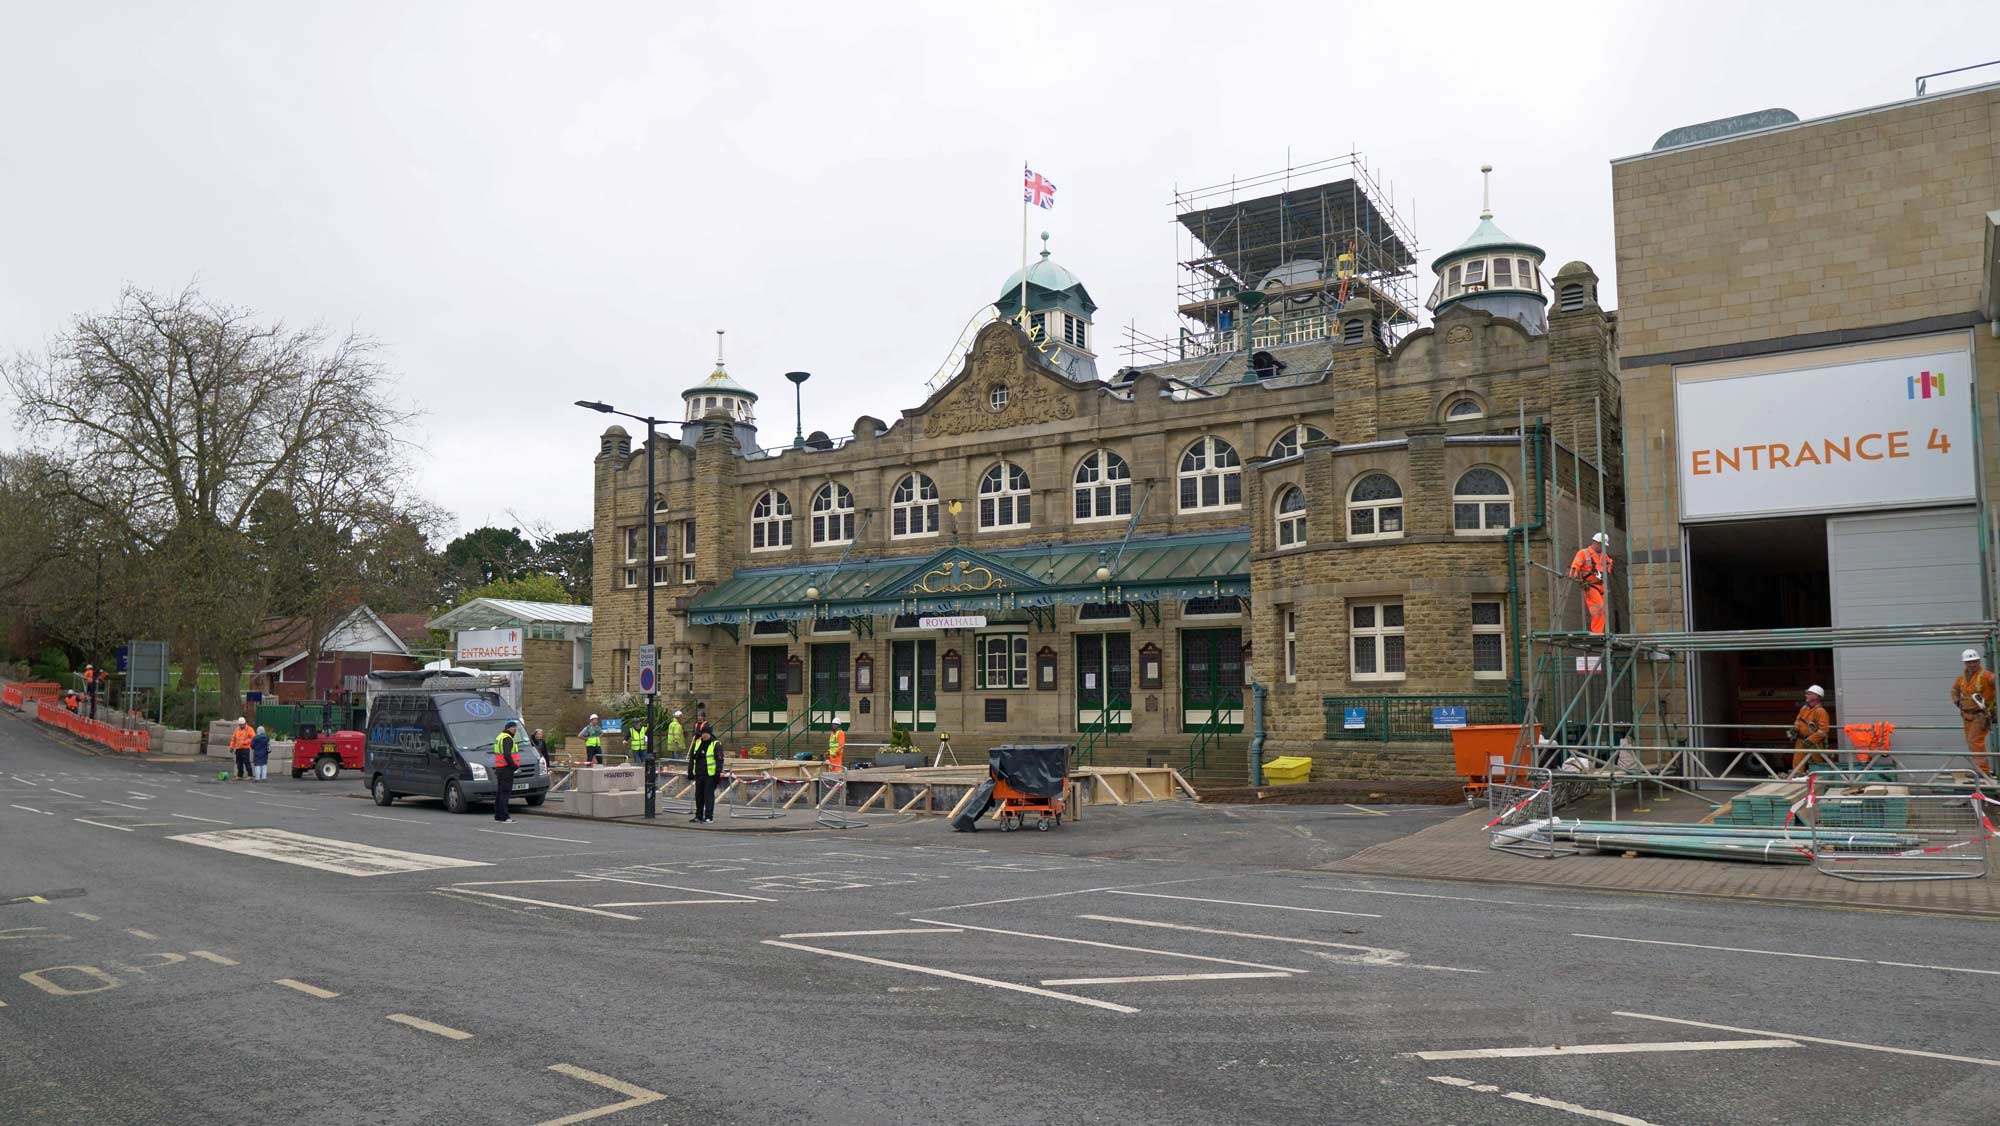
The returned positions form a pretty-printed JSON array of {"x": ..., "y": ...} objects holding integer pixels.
[
  {"x": 836, "y": 747},
  {"x": 708, "y": 759},
  {"x": 504, "y": 753},
  {"x": 676, "y": 737},
  {"x": 636, "y": 739},
  {"x": 594, "y": 739}
]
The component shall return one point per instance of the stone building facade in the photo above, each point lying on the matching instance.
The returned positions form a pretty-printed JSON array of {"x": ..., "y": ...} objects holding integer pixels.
[{"x": 1035, "y": 554}]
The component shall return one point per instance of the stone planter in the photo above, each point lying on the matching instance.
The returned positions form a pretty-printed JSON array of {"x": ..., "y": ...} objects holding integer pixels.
[{"x": 899, "y": 758}]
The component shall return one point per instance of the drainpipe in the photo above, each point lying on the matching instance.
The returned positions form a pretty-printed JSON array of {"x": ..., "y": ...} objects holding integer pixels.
[
  {"x": 1257, "y": 739},
  {"x": 1536, "y": 438}
]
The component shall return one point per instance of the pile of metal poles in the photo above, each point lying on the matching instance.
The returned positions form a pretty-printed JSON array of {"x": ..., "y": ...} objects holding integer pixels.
[{"x": 1775, "y": 845}]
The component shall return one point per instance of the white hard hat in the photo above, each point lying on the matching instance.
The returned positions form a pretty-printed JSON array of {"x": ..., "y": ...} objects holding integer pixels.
[
  {"x": 1601, "y": 538},
  {"x": 1969, "y": 655},
  {"x": 677, "y": 713},
  {"x": 240, "y": 719},
  {"x": 593, "y": 715},
  {"x": 1816, "y": 690}
]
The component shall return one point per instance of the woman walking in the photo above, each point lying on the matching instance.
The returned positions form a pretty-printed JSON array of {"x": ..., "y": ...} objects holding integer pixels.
[{"x": 260, "y": 755}]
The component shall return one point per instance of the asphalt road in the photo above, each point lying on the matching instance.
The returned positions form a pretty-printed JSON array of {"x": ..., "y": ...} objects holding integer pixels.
[{"x": 174, "y": 950}]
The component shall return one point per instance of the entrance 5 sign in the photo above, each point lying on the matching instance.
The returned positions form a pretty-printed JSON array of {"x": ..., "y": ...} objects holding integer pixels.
[{"x": 1872, "y": 433}]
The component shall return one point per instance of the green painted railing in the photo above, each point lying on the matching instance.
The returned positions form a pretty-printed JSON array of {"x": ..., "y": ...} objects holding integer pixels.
[
  {"x": 1209, "y": 732},
  {"x": 1410, "y": 719},
  {"x": 800, "y": 729}
]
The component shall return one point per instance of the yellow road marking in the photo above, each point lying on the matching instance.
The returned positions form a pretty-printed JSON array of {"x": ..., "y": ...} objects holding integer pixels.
[
  {"x": 634, "y": 1096},
  {"x": 426, "y": 1026},
  {"x": 308, "y": 990}
]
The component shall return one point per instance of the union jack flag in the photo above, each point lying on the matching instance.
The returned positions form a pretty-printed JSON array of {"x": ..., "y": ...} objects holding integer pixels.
[{"x": 1035, "y": 189}]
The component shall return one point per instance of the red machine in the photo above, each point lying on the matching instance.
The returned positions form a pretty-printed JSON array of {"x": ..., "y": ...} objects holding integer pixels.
[{"x": 327, "y": 755}]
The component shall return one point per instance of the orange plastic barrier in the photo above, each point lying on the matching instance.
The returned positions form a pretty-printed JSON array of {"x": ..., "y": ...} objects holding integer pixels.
[
  {"x": 96, "y": 731},
  {"x": 17, "y": 695}
]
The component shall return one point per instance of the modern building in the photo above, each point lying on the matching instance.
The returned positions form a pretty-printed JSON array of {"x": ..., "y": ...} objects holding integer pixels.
[
  {"x": 1808, "y": 322},
  {"x": 544, "y": 646},
  {"x": 1295, "y": 490}
]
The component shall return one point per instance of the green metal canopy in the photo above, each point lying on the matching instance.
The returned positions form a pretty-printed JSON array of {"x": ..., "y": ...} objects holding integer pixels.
[{"x": 959, "y": 580}]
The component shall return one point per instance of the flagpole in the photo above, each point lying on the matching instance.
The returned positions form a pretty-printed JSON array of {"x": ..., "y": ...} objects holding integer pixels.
[{"x": 1024, "y": 248}]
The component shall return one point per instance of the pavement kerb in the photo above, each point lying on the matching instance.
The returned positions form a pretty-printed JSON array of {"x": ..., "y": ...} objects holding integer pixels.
[{"x": 662, "y": 822}]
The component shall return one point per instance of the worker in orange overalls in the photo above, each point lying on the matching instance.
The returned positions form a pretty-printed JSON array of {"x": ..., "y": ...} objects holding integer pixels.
[
  {"x": 1811, "y": 730},
  {"x": 239, "y": 745},
  {"x": 836, "y": 746},
  {"x": 1592, "y": 568},
  {"x": 1972, "y": 694}
]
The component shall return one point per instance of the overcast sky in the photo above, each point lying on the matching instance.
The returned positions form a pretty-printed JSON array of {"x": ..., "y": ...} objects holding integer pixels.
[{"x": 534, "y": 203}]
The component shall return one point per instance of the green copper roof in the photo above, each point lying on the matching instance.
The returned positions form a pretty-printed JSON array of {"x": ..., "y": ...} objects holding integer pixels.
[
  {"x": 1484, "y": 237},
  {"x": 719, "y": 381},
  {"x": 961, "y": 580}
]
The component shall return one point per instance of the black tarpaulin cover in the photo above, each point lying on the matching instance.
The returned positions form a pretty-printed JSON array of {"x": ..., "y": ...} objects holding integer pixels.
[{"x": 1038, "y": 769}]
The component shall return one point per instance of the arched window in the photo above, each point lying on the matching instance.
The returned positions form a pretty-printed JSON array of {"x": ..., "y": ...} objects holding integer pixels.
[
  {"x": 1210, "y": 476},
  {"x": 833, "y": 514},
  {"x": 1482, "y": 501},
  {"x": 913, "y": 507},
  {"x": 1375, "y": 508},
  {"x": 1463, "y": 410},
  {"x": 1291, "y": 518},
  {"x": 1003, "y": 497},
  {"x": 1103, "y": 487},
  {"x": 1293, "y": 437},
  {"x": 771, "y": 521}
]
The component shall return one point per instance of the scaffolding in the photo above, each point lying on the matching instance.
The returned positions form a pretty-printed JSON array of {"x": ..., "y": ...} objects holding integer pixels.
[{"x": 1269, "y": 260}]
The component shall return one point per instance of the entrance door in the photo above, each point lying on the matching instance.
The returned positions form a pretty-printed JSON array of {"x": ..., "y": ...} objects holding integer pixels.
[
  {"x": 767, "y": 687},
  {"x": 830, "y": 680},
  {"x": 1212, "y": 679},
  {"x": 1104, "y": 681},
  {"x": 913, "y": 691}
]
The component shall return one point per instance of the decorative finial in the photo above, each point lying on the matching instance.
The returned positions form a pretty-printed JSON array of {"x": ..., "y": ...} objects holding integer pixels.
[
  {"x": 718, "y": 347},
  {"x": 1045, "y": 244},
  {"x": 1486, "y": 191}
]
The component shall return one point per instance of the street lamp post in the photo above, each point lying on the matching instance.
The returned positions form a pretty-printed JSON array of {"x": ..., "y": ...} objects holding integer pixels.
[
  {"x": 652, "y": 555},
  {"x": 798, "y": 379}
]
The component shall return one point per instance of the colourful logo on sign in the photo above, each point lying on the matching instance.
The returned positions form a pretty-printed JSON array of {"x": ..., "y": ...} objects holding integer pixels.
[{"x": 1925, "y": 385}]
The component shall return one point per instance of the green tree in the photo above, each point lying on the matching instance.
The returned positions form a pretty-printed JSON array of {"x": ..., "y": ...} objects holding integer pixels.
[{"x": 526, "y": 588}]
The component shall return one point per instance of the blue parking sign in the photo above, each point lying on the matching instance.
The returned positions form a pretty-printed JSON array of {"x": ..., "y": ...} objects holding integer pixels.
[
  {"x": 1445, "y": 718},
  {"x": 1354, "y": 719}
]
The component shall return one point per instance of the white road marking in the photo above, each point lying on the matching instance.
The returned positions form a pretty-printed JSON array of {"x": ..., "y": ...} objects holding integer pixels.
[
  {"x": 32, "y": 809},
  {"x": 192, "y": 817},
  {"x": 149, "y": 935},
  {"x": 66, "y": 793},
  {"x": 1604, "y": 1049},
  {"x": 512, "y": 833},
  {"x": 326, "y": 854},
  {"x": 1458, "y": 898},
  {"x": 124, "y": 804},
  {"x": 1365, "y": 809},
  {"x": 283, "y": 804},
  {"x": 1725, "y": 949},
  {"x": 540, "y": 903},
  {"x": 84, "y": 915},
  {"x": 1364, "y": 955},
  {"x": 1815, "y": 1039},
  {"x": 677, "y": 887},
  {"x": 426, "y": 1026},
  {"x": 101, "y": 824},
  {"x": 1156, "y": 977},
  {"x": 634, "y": 1096},
  {"x": 25, "y": 782},
  {"x": 210, "y": 956},
  {"x": 1542, "y": 1101},
  {"x": 955, "y": 976},
  {"x": 863, "y": 934},
  {"x": 1794, "y": 954},
  {"x": 218, "y": 797},
  {"x": 379, "y": 817},
  {"x": 1242, "y": 903},
  {"x": 1060, "y": 894},
  {"x": 308, "y": 990},
  {"x": 1115, "y": 946},
  {"x": 675, "y": 903}
]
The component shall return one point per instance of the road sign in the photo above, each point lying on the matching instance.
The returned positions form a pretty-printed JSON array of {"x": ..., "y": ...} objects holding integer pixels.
[
  {"x": 1443, "y": 719},
  {"x": 649, "y": 669},
  {"x": 146, "y": 664}
]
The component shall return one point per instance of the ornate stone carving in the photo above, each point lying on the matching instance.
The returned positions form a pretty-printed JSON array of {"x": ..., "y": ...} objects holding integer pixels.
[{"x": 1031, "y": 397}]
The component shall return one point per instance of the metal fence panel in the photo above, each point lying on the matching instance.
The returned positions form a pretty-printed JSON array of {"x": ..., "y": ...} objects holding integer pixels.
[
  {"x": 1879, "y": 826},
  {"x": 1408, "y": 719}
]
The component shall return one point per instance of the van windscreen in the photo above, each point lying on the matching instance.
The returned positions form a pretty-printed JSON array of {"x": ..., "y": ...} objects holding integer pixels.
[{"x": 474, "y": 722}]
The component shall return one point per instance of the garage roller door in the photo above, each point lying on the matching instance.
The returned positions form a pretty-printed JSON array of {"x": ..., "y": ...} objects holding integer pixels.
[{"x": 1903, "y": 568}]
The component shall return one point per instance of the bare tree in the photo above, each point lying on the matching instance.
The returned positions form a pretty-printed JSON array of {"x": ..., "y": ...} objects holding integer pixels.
[{"x": 175, "y": 417}]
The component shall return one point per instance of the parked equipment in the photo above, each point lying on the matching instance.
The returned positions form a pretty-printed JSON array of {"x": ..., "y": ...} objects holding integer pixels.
[
  {"x": 327, "y": 755},
  {"x": 1029, "y": 779}
]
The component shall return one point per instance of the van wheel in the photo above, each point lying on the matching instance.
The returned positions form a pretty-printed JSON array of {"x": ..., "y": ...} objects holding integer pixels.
[
  {"x": 327, "y": 768},
  {"x": 454, "y": 798},
  {"x": 537, "y": 799},
  {"x": 380, "y": 790}
]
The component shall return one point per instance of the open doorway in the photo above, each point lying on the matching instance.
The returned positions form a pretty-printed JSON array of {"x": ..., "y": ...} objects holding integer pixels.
[{"x": 1758, "y": 574}]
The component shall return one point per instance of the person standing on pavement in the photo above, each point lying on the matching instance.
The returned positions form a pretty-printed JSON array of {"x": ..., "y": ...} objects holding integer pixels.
[
  {"x": 91, "y": 677},
  {"x": 506, "y": 759},
  {"x": 677, "y": 740},
  {"x": 704, "y": 768},
  {"x": 1810, "y": 731},
  {"x": 836, "y": 746},
  {"x": 239, "y": 745},
  {"x": 260, "y": 755},
  {"x": 1972, "y": 695},
  {"x": 593, "y": 740}
]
